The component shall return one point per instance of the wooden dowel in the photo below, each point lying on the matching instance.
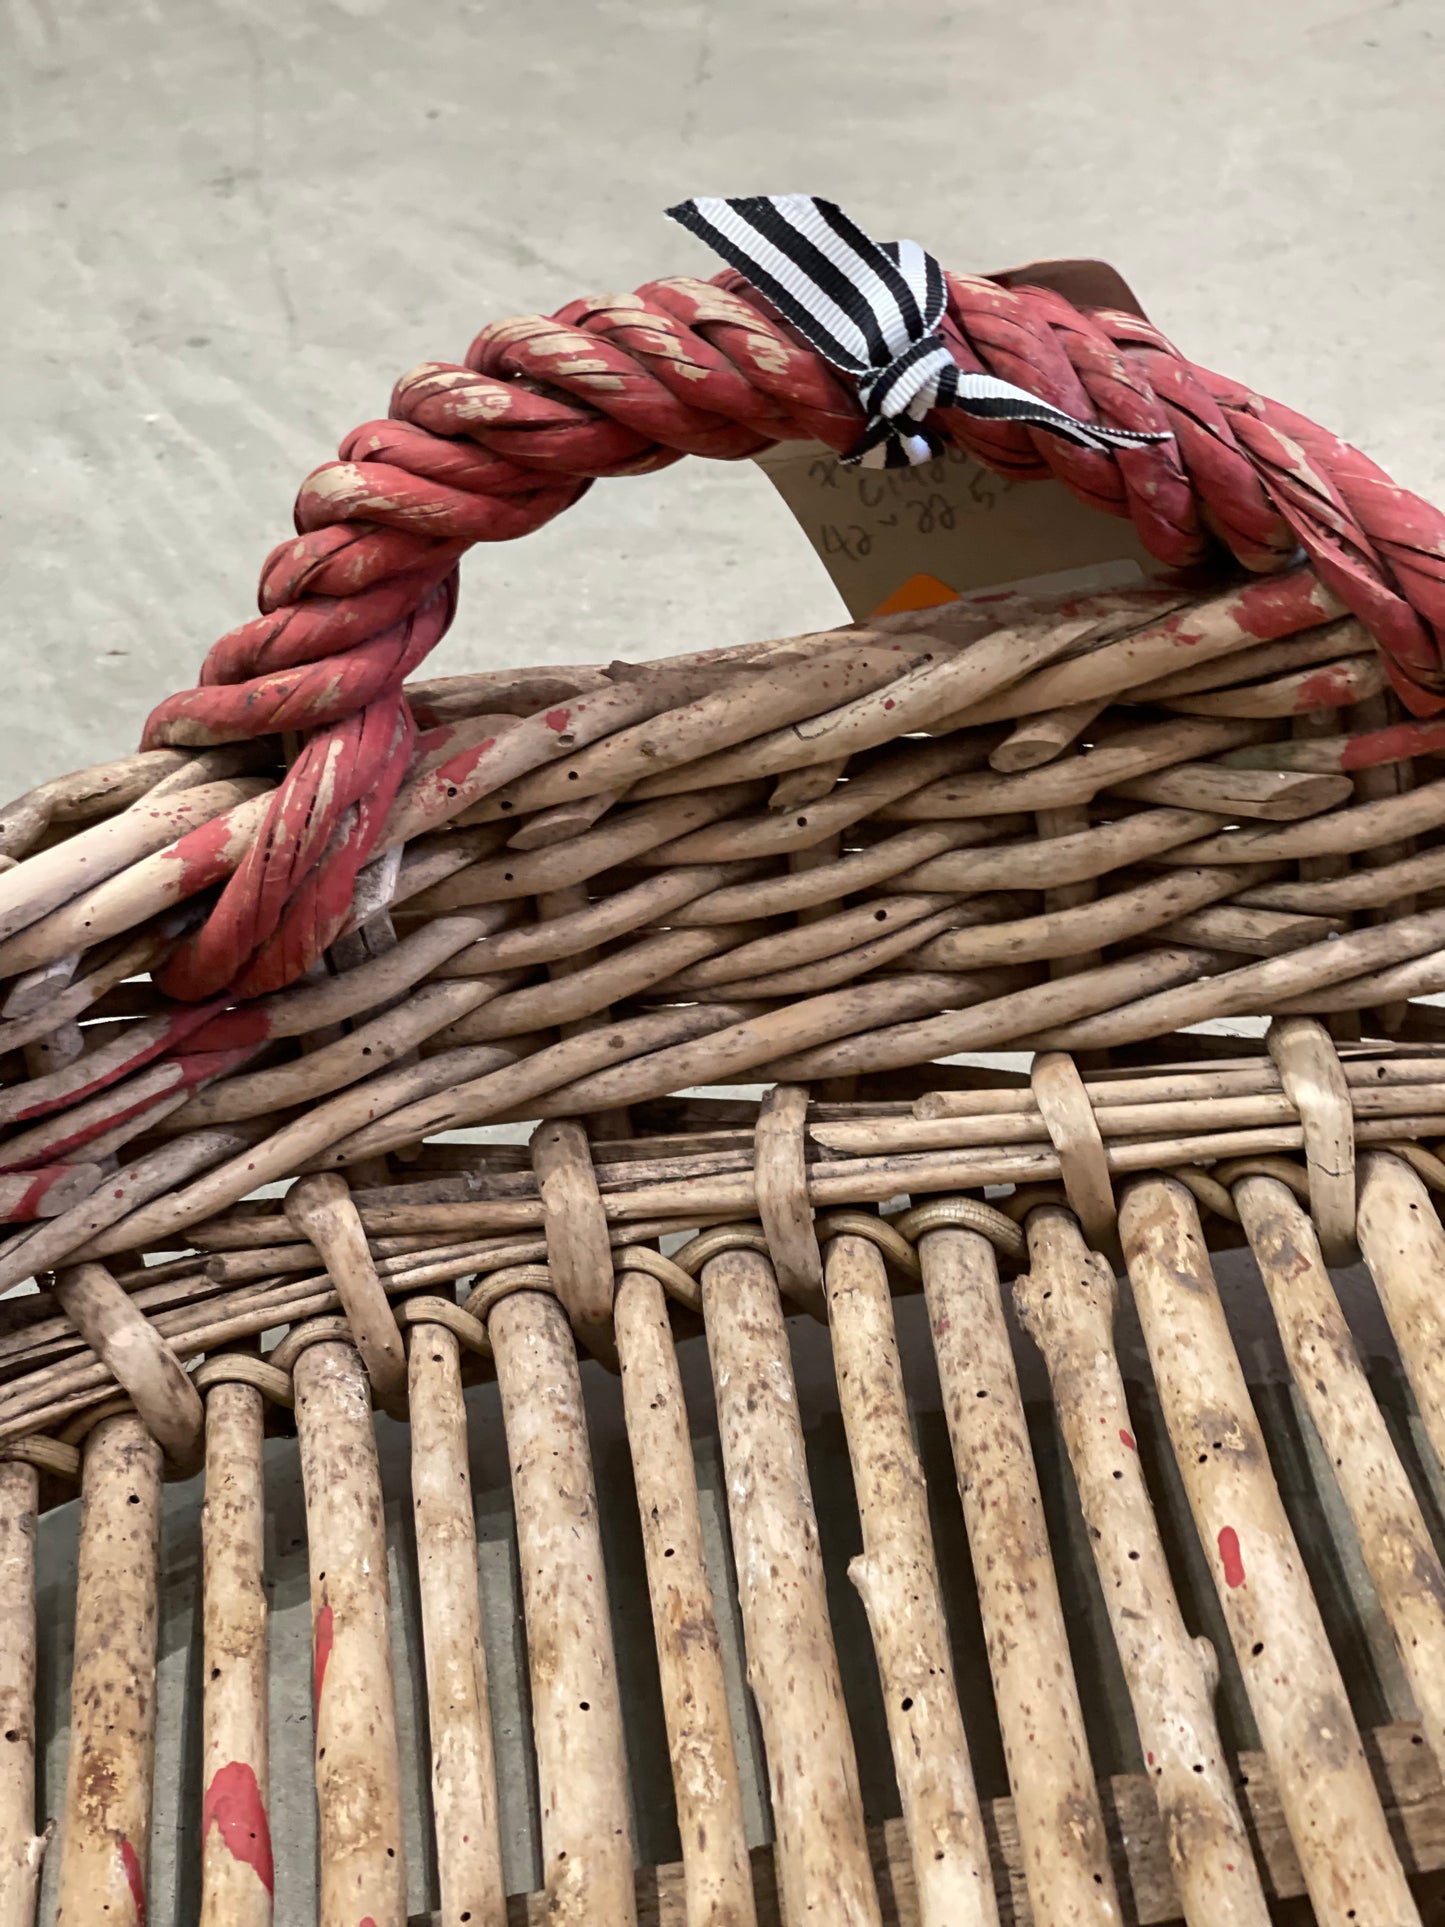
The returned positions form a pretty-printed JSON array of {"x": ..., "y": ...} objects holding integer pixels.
[
  {"x": 1061, "y": 1828},
  {"x": 821, "y": 1850},
  {"x": 320, "y": 1207},
  {"x": 464, "y": 1772},
  {"x": 1039, "y": 739},
  {"x": 1403, "y": 1244},
  {"x": 1290, "y": 1674},
  {"x": 576, "y": 1715},
  {"x": 1066, "y": 1304},
  {"x": 705, "y": 1778},
  {"x": 358, "y": 1765},
  {"x": 1399, "y": 1555},
  {"x": 105, "y": 1835},
  {"x": 21, "y": 1848},
  {"x": 237, "y": 1872},
  {"x": 897, "y": 1580}
]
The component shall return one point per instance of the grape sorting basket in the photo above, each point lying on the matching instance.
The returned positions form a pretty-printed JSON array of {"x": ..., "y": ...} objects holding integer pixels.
[{"x": 1137, "y": 1629}]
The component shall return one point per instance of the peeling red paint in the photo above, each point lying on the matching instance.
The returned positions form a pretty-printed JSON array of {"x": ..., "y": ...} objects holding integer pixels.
[
  {"x": 1329, "y": 688},
  {"x": 233, "y": 1804},
  {"x": 1281, "y": 605},
  {"x": 1126, "y": 1439},
  {"x": 557, "y": 719},
  {"x": 325, "y": 1633},
  {"x": 135, "y": 1879},
  {"x": 1230, "y": 1557}
]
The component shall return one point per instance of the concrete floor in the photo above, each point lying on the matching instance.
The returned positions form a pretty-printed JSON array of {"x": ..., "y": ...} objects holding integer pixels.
[{"x": 230, "y": 226}]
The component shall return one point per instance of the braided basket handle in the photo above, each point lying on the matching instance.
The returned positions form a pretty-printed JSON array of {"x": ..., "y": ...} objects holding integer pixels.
[{"x": 494, "y": 447}]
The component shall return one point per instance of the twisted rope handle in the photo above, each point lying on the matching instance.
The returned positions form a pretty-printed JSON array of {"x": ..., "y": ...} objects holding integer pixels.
[{"x": 495, "y": 447}]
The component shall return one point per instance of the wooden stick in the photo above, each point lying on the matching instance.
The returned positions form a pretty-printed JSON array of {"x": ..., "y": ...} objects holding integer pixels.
[
  {"x": 237, "y": 1873},
  {"x": 917, "y": 700},
  {"x": 358, "y": 1767},
  {"x": 1404, "y": 1246},
  {"x": 1072, "y": 779},
  {"x": 1210, "y": 629},
  {"x": 1061, "y": 1828},
  {"x": 130, "y": 1348},
  {"x": 1403, "y": 1564},
  {"x": 464, "y": 1773},
  {"x": 1035, "y": 865},
  {"x": 689, "y": 1655},
  {"x": 105, "y": 1835},
  {"x": 576, "y": 1716},
  {"x": 786, "y": 695},
  {"x": 320, "y": 1207},
  {"x": 1066, "y": 1303},
  {"x": 821, "y": 1850},
  {"x": 897, "y": 1579},
  {"x": 1039, "y": 739},
  {"x": 44, "y": 882},
  {"x": 1290, "y": 1674},
  {"x": 21, "y": 1848}
]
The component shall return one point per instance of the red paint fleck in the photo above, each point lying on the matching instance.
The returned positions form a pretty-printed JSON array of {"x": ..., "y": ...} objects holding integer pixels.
[
  {"x": 204, "y": 855},
  {"x": 890, "y": 704},
  {"x": 1126, "y": 1439},
  {"x": 117, "y": 1194},
  {"x": 130, "y": 1865},
  {"x": 1329, "y": 688},
  {"x": 233, "y": 1803},
  {"x": 1392, "y": 745},
  {"x": 28, "y": 1204},
  {"x": 1230, "y": 1556},
  {"x": 1150, "y": 1758},
  {"x": 325, "y": 1634},
  {"x": 1282, "y": 605},
  {"x": 557, "y": 719}
]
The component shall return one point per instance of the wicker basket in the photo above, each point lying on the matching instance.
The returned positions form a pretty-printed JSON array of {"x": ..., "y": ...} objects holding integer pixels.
[{"x": 316, "y": 929}]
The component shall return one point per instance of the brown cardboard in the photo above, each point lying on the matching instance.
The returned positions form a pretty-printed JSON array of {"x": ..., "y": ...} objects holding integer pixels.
[{"x": 914, "y": 537}]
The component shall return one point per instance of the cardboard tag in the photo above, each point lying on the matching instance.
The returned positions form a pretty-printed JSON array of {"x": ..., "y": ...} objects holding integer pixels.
[{"x": 912, "y": 538}]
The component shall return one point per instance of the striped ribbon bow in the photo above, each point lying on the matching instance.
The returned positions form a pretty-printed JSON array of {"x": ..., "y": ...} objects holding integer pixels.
[{"x": 872, "y": 309}]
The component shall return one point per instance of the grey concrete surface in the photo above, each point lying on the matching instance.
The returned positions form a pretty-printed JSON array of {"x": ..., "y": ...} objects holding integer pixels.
[
  {"x": 230, "y": 224},
  {"x": 228, "y": 227}
]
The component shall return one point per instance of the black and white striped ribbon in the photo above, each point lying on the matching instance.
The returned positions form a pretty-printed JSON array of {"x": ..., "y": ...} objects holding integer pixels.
[{"x": 872, "y": 309}]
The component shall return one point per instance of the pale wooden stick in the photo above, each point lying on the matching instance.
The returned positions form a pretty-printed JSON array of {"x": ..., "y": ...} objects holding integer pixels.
[
  {"x": 576, "y": 1716},
  {"x": 237, "y": 1873},
  {"x": 821, "y": 1849},
  {"x": 1086, "y": 926},
  {"x": 779, "y": 697},
  {"x": 1061, "y": 1828},
  {"x": 105, "y": 1835},
  {"x": 1290, "y": 1674},
  {"x": 897, "y": 1579},
  {"x": 320, "y": 1207},
  {"x": 1035, "y": 865},
  {"x": 1275, "y": 795},
  {"x": 689, "y": 1655},
  {"x": 464, "y": 1773},
  {"x": 1039, "y": 739},
  {"x": 1394, "y": 1538},
  {"x": 1404, "y": 1246},
  {"x": 1341, "y": 683},
  {"x": 358, "y": 1766},
  {"x": 44, "y": 882},
  {"x": 1066, "y": 1303},
  {"x": 130, "y": 1348},
  {"x": 21, "y": 1848},
  {"x": 1072, "y": 780},
  {"x": 142, "y": 889},
  {"x": 1200, "y": 634}
]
